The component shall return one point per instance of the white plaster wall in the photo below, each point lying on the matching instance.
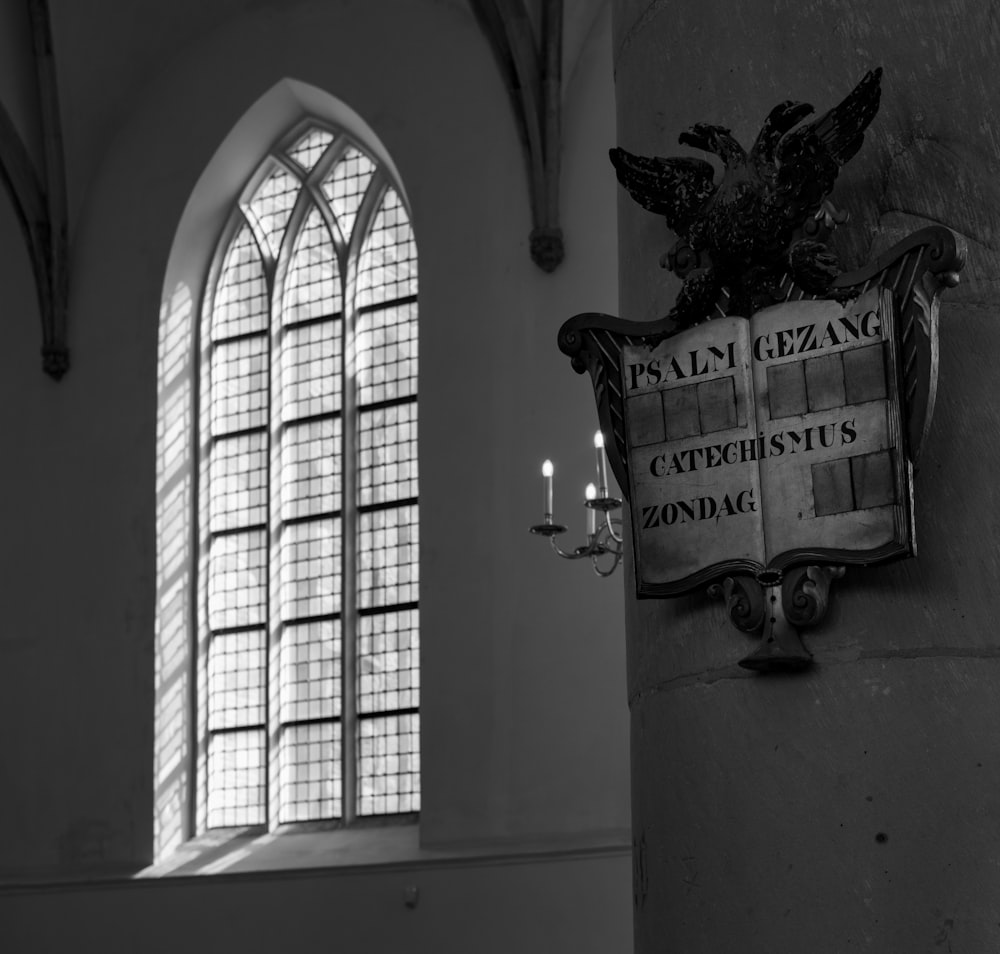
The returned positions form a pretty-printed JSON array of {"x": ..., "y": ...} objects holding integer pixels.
[{"x": 524, "y": 691}]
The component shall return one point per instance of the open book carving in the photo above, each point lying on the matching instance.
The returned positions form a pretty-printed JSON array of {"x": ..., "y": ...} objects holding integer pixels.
[
  {"x": 747, "y": 447},
  {"x": 757, "y": 444}
]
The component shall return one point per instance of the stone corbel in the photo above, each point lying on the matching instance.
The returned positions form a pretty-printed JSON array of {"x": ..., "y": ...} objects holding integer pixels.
[
  {"x": 532, "y": 74},
  {"x": 776, "y": 606},
  {"x": 40, "y": 200}
]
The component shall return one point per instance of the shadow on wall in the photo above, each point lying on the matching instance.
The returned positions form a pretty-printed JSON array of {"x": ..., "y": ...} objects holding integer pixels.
[{"x": 173, "y": 571}]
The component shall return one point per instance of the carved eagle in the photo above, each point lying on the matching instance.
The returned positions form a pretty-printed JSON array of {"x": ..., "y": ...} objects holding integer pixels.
[{"x": 745, "y": 232}]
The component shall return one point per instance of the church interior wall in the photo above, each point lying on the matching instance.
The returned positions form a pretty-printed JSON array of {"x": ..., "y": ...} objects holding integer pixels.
[{"x": 524, "y": 708}]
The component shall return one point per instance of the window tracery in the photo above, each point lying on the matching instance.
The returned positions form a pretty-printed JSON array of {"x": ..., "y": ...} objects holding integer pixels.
[{"x": 308, "y": 608}]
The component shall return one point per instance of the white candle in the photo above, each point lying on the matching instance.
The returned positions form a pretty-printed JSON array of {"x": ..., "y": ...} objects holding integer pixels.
[
  {"x": 547, "y": 481},
  {"x": 602, "y": 465},
  {"x": 590, "y": 493}
]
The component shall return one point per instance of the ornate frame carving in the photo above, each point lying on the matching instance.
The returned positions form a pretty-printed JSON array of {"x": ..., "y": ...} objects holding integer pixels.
[{"x": 916, "y": 270}]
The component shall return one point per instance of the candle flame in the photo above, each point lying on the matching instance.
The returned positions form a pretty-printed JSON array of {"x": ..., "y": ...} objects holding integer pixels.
[
  {"x": 599, "y": 439},
  {"x": 591, "y": 492},
  {"x": 547, "y": 468}
]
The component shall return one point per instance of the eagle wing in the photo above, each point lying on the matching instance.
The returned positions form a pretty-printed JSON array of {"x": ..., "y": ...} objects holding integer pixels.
[
  {"x": 676, "y": 188},
  {"x": 808, "y": 158},
  {"x": 783, "y": 117}
]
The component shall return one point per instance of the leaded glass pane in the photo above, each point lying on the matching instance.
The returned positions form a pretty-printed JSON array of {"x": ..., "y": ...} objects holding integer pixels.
[
  {"x": 310, "y": 147},
  {"x": 386, "y": 354},
  {"x": 241, "y": 302},
  {"x": 389, "y": 764},
  {"x": 237, "y": 482},
  {"x": 271, "y": 206},
  {"x": 309, "y": 376},
  {"x": 310, "y": 772},
  {"x": 310, "y": 477},
  {"x": 309, "y": 681},
  {"x": 237, "y": 580},
  {"x": 345, "y": 188},
  {"x": 389, "y": 661},
  {"x": 236, "y": 778},
  {"x": 237, "y": 666},
  {"x": 388, "y": 557},
  {"x": 388, "y": 265},
  {"x": 312, "y": 288},
  {"x": 239, "y": 385},
  {"x": 387, "y": 454},
  {"x": 309, "y": 558}
]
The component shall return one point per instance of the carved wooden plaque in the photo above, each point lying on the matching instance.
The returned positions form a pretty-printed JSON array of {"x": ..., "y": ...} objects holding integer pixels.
[
  {"x": 749, "y": 446},
  {"x": 749, "y": 441}
]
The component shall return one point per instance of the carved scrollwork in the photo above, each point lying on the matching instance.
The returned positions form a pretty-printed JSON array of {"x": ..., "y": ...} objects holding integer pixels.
[
  {"x": 947, "y": 252},
  {"x": 744, "y": 600},
  {"x": 805, "y": 593},
  {"x": 920, "y": 343},
  {"x": 775, "y": 605}
]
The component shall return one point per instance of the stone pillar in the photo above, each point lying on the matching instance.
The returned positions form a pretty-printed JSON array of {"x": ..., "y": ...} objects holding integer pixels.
[{"x": 855, "y": 807}]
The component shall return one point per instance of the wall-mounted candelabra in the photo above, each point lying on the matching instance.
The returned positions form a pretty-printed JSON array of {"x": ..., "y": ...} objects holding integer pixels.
[{"x": 603, "y": 533}]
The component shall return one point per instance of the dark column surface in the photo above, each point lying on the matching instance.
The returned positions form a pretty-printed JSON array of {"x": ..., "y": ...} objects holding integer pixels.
[{"x": 855, "y": 807}]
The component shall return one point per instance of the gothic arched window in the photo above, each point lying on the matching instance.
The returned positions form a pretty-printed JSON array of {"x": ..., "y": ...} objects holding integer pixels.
[{"x": 307, "y": 608}]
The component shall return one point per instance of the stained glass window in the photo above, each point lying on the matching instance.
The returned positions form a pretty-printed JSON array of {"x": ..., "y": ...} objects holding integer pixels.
[{"x": 309, "y": 516}]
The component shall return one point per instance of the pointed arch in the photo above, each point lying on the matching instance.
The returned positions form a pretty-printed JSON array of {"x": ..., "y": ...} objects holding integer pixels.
[{"x": 288, "y": 614}]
